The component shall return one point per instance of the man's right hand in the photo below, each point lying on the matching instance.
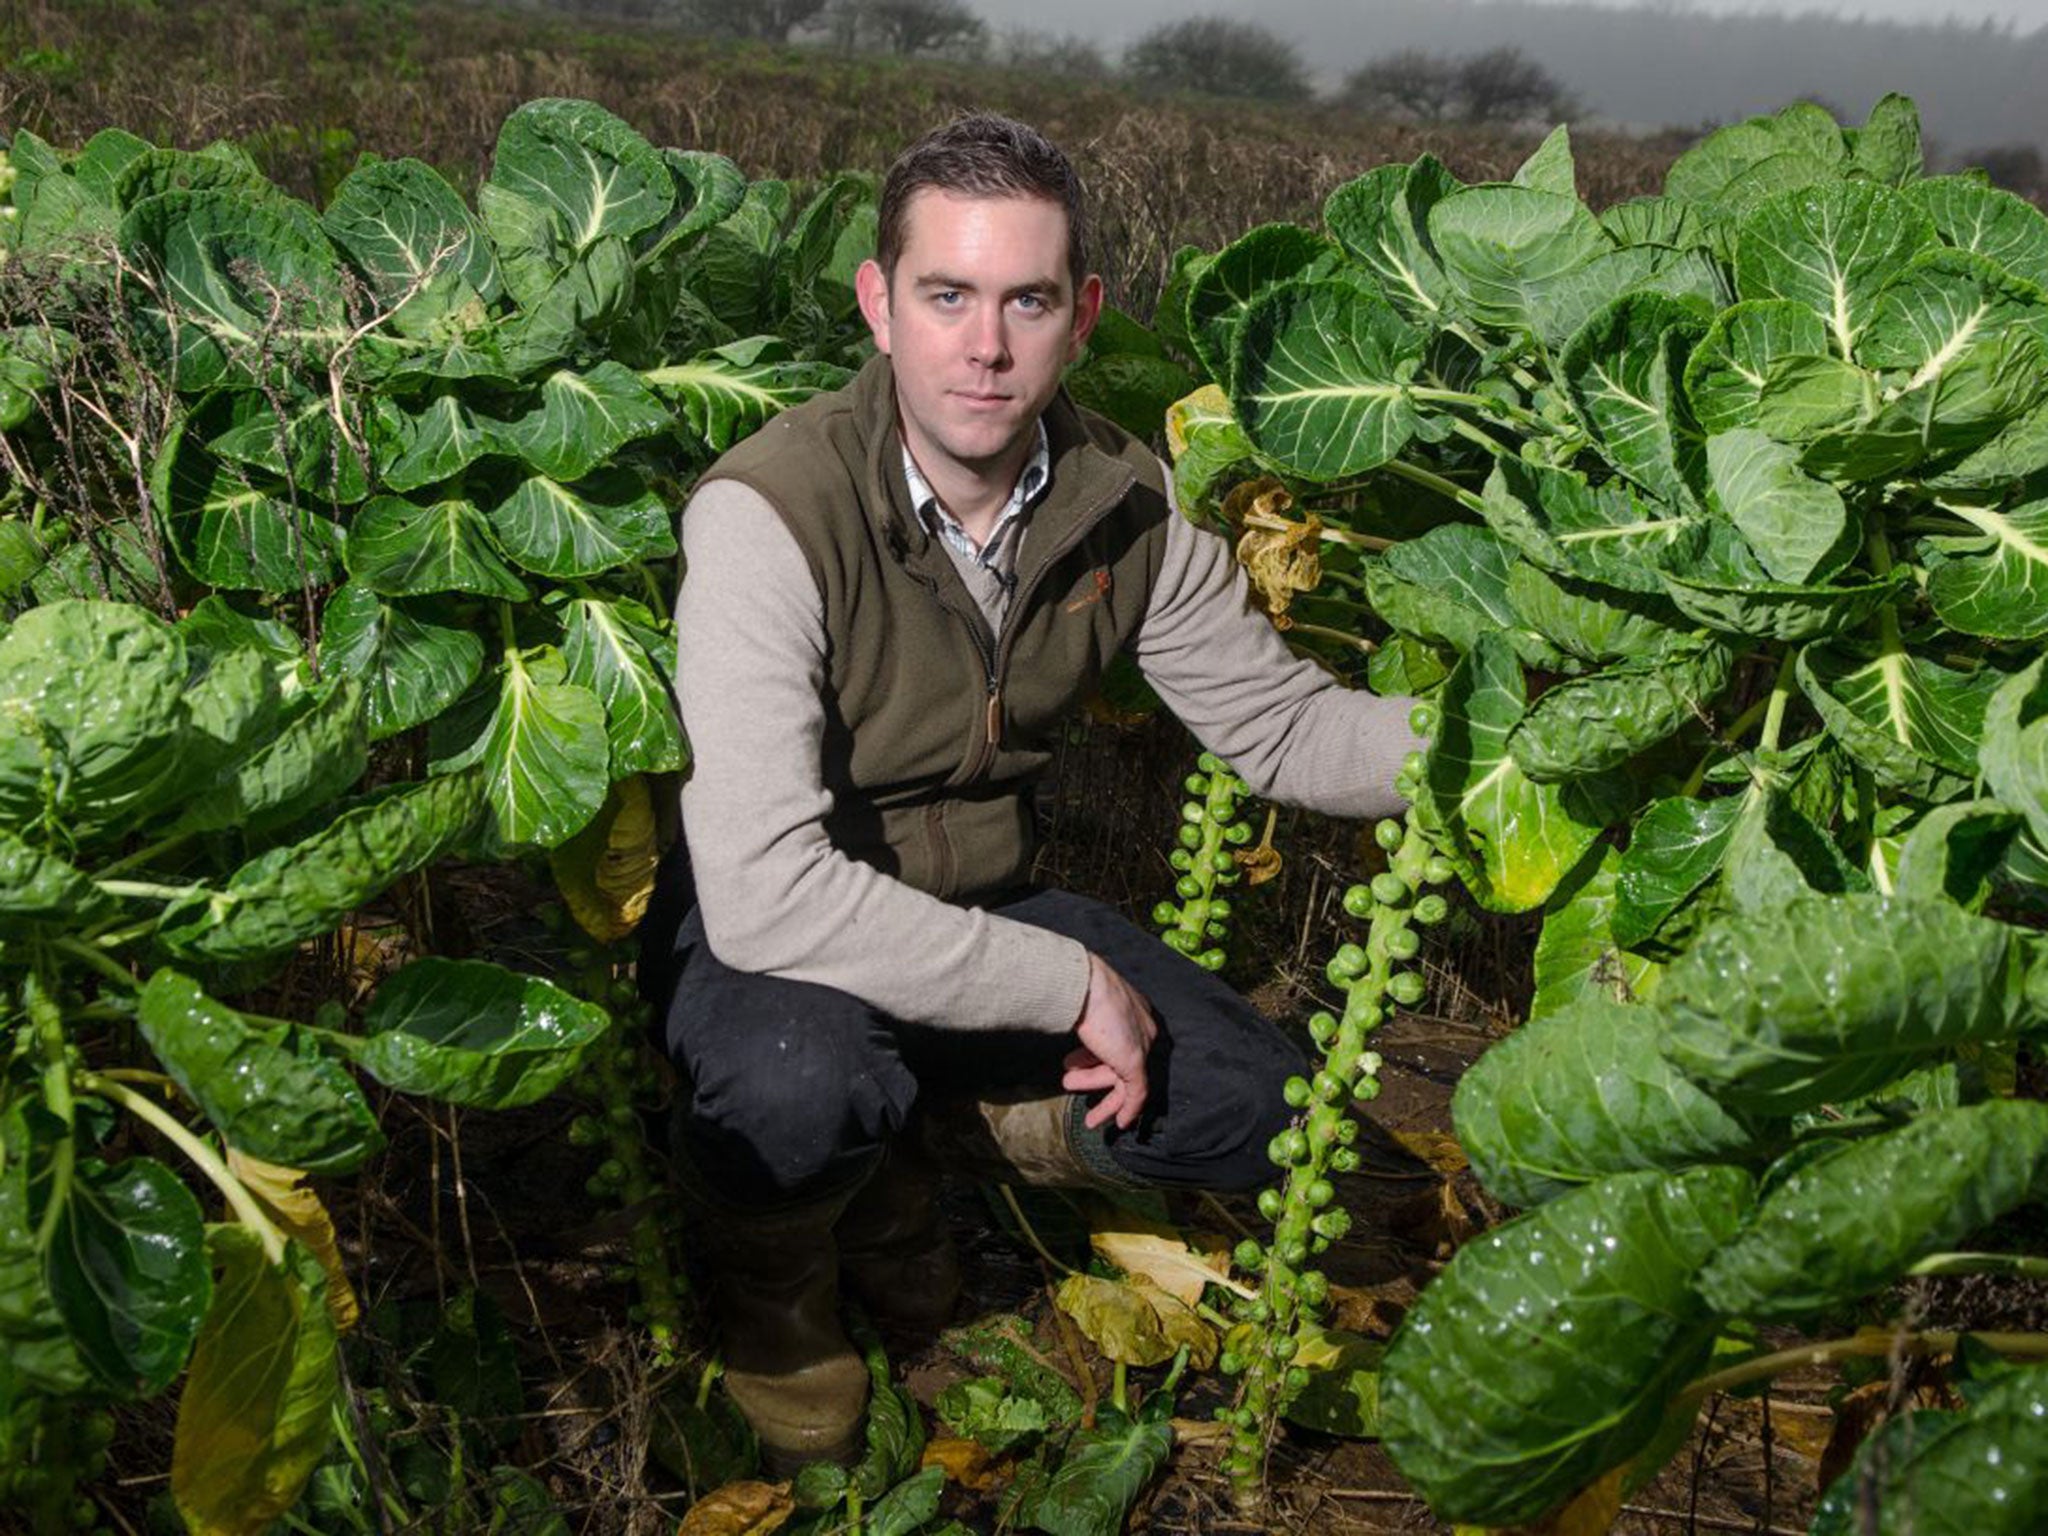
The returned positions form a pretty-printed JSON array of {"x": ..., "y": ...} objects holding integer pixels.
[{"x": 1116, "y": 1030}]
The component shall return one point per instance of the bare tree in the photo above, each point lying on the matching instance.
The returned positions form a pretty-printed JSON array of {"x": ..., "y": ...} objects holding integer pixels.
[
  {"x": 1502, "y": 85},
  {"x": 1217, "y": 56},
  {"x": 909, "y": 26},
  {"x": 769, "y": 20},
  {"x": 1418, "y": 86},
  {"x": 1505, "y": 85}
]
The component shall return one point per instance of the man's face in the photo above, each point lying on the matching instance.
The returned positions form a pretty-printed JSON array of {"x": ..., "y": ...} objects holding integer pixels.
[{"x": 979, "y": 319}]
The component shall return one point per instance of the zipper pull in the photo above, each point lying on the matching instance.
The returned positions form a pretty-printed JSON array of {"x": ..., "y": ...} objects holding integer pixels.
[{"x": 995, "y": 716}]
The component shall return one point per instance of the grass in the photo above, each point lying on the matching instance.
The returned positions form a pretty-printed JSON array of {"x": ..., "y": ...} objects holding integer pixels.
[{"x": 307, "y": 86}]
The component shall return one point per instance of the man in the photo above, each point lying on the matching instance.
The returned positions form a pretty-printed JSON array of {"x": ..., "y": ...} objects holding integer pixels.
[{"x": 893, "y": 596}]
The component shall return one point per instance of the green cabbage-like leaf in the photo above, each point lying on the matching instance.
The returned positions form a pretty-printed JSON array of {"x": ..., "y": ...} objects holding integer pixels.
[
  {"x": 1901, "y": 716},
  {"x": 1513, "y": 840},
  {"x": 403, "y": 548},
  {"x": 1587, "y": 725},
  {"x": 1726, "y": 374},
  {"x": 1769, "y": 610},
  {"x": 1623, "y": 367},
  {"x": 242, "y": 531},
  {"x": 1582, "y": 1093},
  {"x": 300, "y": 890},
  {"x": 1239, "y": 273},
  {"x": 2014, "y": 753},
  {"x": 611, "y": 649},
  {"x": 1748, "y": 161},
  {"x": 1546, "y": 1351},
  {"x": 1851, "y": 1220},
  {"x": 1675, "y": 850},
  {"x": 474, "y": 1033},
  {"x": 411, "y": 666},
  {"x": 1798, "y": 526},
  {"x": 1382, "y": 220},
  {"x": 127, "y": 1268},
  {"x": 266, "y": 1098},
  {"x": 1503, "y": 247},
  {"x": 1577, "y": 953},
  {"x": 1829, "y": 997},
  {"x": 1995, "y": 583},
  {"x": 1605, "y": 533},
  {"x": 594, "y": 175},
  {"x": 726, "y": 393},
  {"x": 1973, "y": 216},
  {"x": 608, "y": 519},
  {"x": 582, "y": 419},
  {"x": 1591, "y": 621},
  {"x": 1831, "y": 248},
  {"x": 542, "y": 746},
  {"x": 406, "y": 230},
  {"x": 1320, "y": 376}
]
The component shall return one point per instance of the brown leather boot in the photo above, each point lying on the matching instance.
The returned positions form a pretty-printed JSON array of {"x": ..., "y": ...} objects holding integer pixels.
[
  {"x": 1041, "y": 1142},
  {"x": 895, "y": 1253},
  {"x": 774, "y": 1294}
]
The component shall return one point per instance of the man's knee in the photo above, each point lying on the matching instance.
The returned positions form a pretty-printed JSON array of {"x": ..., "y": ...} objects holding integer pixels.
[{"x": 790, "y": 1095}]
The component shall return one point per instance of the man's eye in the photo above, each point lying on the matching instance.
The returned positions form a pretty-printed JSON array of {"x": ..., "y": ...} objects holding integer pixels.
[
  {"x": 1031, "y": 301},
  {"x": 947, "y": 297}
]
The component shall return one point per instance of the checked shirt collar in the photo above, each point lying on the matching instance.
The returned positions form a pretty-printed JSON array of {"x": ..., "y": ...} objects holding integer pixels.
[{"x": 999, "y": 554}]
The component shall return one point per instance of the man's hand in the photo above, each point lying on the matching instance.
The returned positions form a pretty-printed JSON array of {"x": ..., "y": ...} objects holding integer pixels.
[{"x": 1116, "y": 1029}]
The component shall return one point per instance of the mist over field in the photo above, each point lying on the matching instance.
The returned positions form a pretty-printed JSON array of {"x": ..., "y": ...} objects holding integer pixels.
[{"x": 1977, "y": 81}]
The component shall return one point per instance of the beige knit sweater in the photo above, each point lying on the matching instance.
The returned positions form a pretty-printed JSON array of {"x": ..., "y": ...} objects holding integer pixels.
[{"x": 778, "y": 898}]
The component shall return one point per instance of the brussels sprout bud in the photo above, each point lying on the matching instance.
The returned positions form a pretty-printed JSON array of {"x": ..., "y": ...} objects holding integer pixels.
[
  {"x": 1293, "y": 1252},
  {"x": 1344, "y": 1159},
  {"x": 1238, "y": 833},
  {"x": 1314, "y": 1286},
  {"x": 1212, "y": 959},
  {"x": 1358, "y": 900},
  {"x": 1219, "y": 908},
  {"x": 1389, "y": 889},
  {"x": 1248, "y": 1254},
  {"x": 1181, "y": 859},
  {"x": 1333, "y": 1223},
  {"x": 1285, "y": 1347},
  {"x": 1348, "y": 964},
  {"x": 1322, "y": 1026},
  {"x": 1231, "y": 1364},
  {"x": 1271, "y": 1201},
  {"x": 1331, "y": 1088},
  {"x": 1296, "y": 1379},
  {"x": 1189, "y": 835},
  {"x": 1422, "y": 719},
  {"x": 1165, "y": 915},
  {"x": 1215, "y": 930},
  {"x": 1295, "y": 1091},
  {"x": 1431, "y": 908},
  {"x": 1276, "y": 1154},
  {"x": 1389, "y": 834},
  {"x": 1438, "y": 870},
  {"x": 1320, "y": 1193},
  {"x": 1347, "y": 1129},
  {"x": 1412, "y": 763},
  {"x": 1228, "y": 877},
  {"x": 1222, "y": 862},
  {"x": 1187, "y": 887},
  {"x": 1209, "y": 762},
  {"x": 1406, "y": 988},
  {"x": 1260, "y": 1311},
  {"x": 1196, "y": 784},
  {"x": 1403, "y": 943},
  {"x": 1296, "y": 1142},
  {"x": 585, "y": 1131},
  {"x": 1192, "y": 811}
]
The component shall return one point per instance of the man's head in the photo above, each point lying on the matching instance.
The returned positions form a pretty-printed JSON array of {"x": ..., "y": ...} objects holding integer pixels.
[
  {"x": 982, "y": 155},
  {"x": 979, "y": 295}
]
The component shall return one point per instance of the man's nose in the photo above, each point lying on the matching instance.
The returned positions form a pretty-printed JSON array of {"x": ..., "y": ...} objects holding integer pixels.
[{"x": 987, "y": 342}]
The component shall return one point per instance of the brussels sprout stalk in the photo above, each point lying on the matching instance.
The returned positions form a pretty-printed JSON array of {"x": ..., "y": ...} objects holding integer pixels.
[
  {"x": 1374, "y": 976},
  {"x": 1210, "y": 828}
]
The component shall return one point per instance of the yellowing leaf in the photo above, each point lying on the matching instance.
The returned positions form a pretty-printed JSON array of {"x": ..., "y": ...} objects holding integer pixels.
[
  {"x": 606, "y": 871},
  {"x": 1592, "y": 1513},
  {"x": 1439, "y": 1149},
  {"x": 1207, "y": 403},
  {"x": 740, "y": 1509},
  {"x": 254, "y": 1419},
  {"x": 299, "y": 1213},
  {"x": 1135, "y": 1322},
  {"x": 1343, "y": 1392},
  {"x": 1262, "y": 863},
  {"x": 1280, "y": 557},
  {"x": 966, "y": 1462},
  {"x": 1160, "y": 1255}
]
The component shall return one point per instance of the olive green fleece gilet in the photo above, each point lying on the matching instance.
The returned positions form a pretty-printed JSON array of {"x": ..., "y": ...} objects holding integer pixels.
[{"x": 936, "y": 728}]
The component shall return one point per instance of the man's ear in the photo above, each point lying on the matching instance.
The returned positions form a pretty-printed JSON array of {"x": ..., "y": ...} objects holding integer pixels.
[
  {"x": 1087, "y": 310},
  {"x": 872, "y": 289}
]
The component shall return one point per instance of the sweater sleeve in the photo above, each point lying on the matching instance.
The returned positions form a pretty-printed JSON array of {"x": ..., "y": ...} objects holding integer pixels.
[
  {"x": 1293, "y": 731},
  {"x": 776, "y": 896}
]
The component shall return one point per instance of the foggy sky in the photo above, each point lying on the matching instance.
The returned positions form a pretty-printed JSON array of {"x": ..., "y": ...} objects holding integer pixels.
[{"x": 1656, "y": 62}]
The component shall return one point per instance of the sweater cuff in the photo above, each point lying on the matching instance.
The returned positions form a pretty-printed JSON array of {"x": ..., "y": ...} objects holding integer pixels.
[{"x": 1038, "y": 979}]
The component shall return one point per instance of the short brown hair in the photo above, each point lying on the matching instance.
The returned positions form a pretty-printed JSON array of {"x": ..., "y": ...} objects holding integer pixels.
[{"x": 982, "y": 155}]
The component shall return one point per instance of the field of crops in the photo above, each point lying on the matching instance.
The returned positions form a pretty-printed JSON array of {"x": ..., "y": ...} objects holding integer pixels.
[{"x": 1711, "y": 527}]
